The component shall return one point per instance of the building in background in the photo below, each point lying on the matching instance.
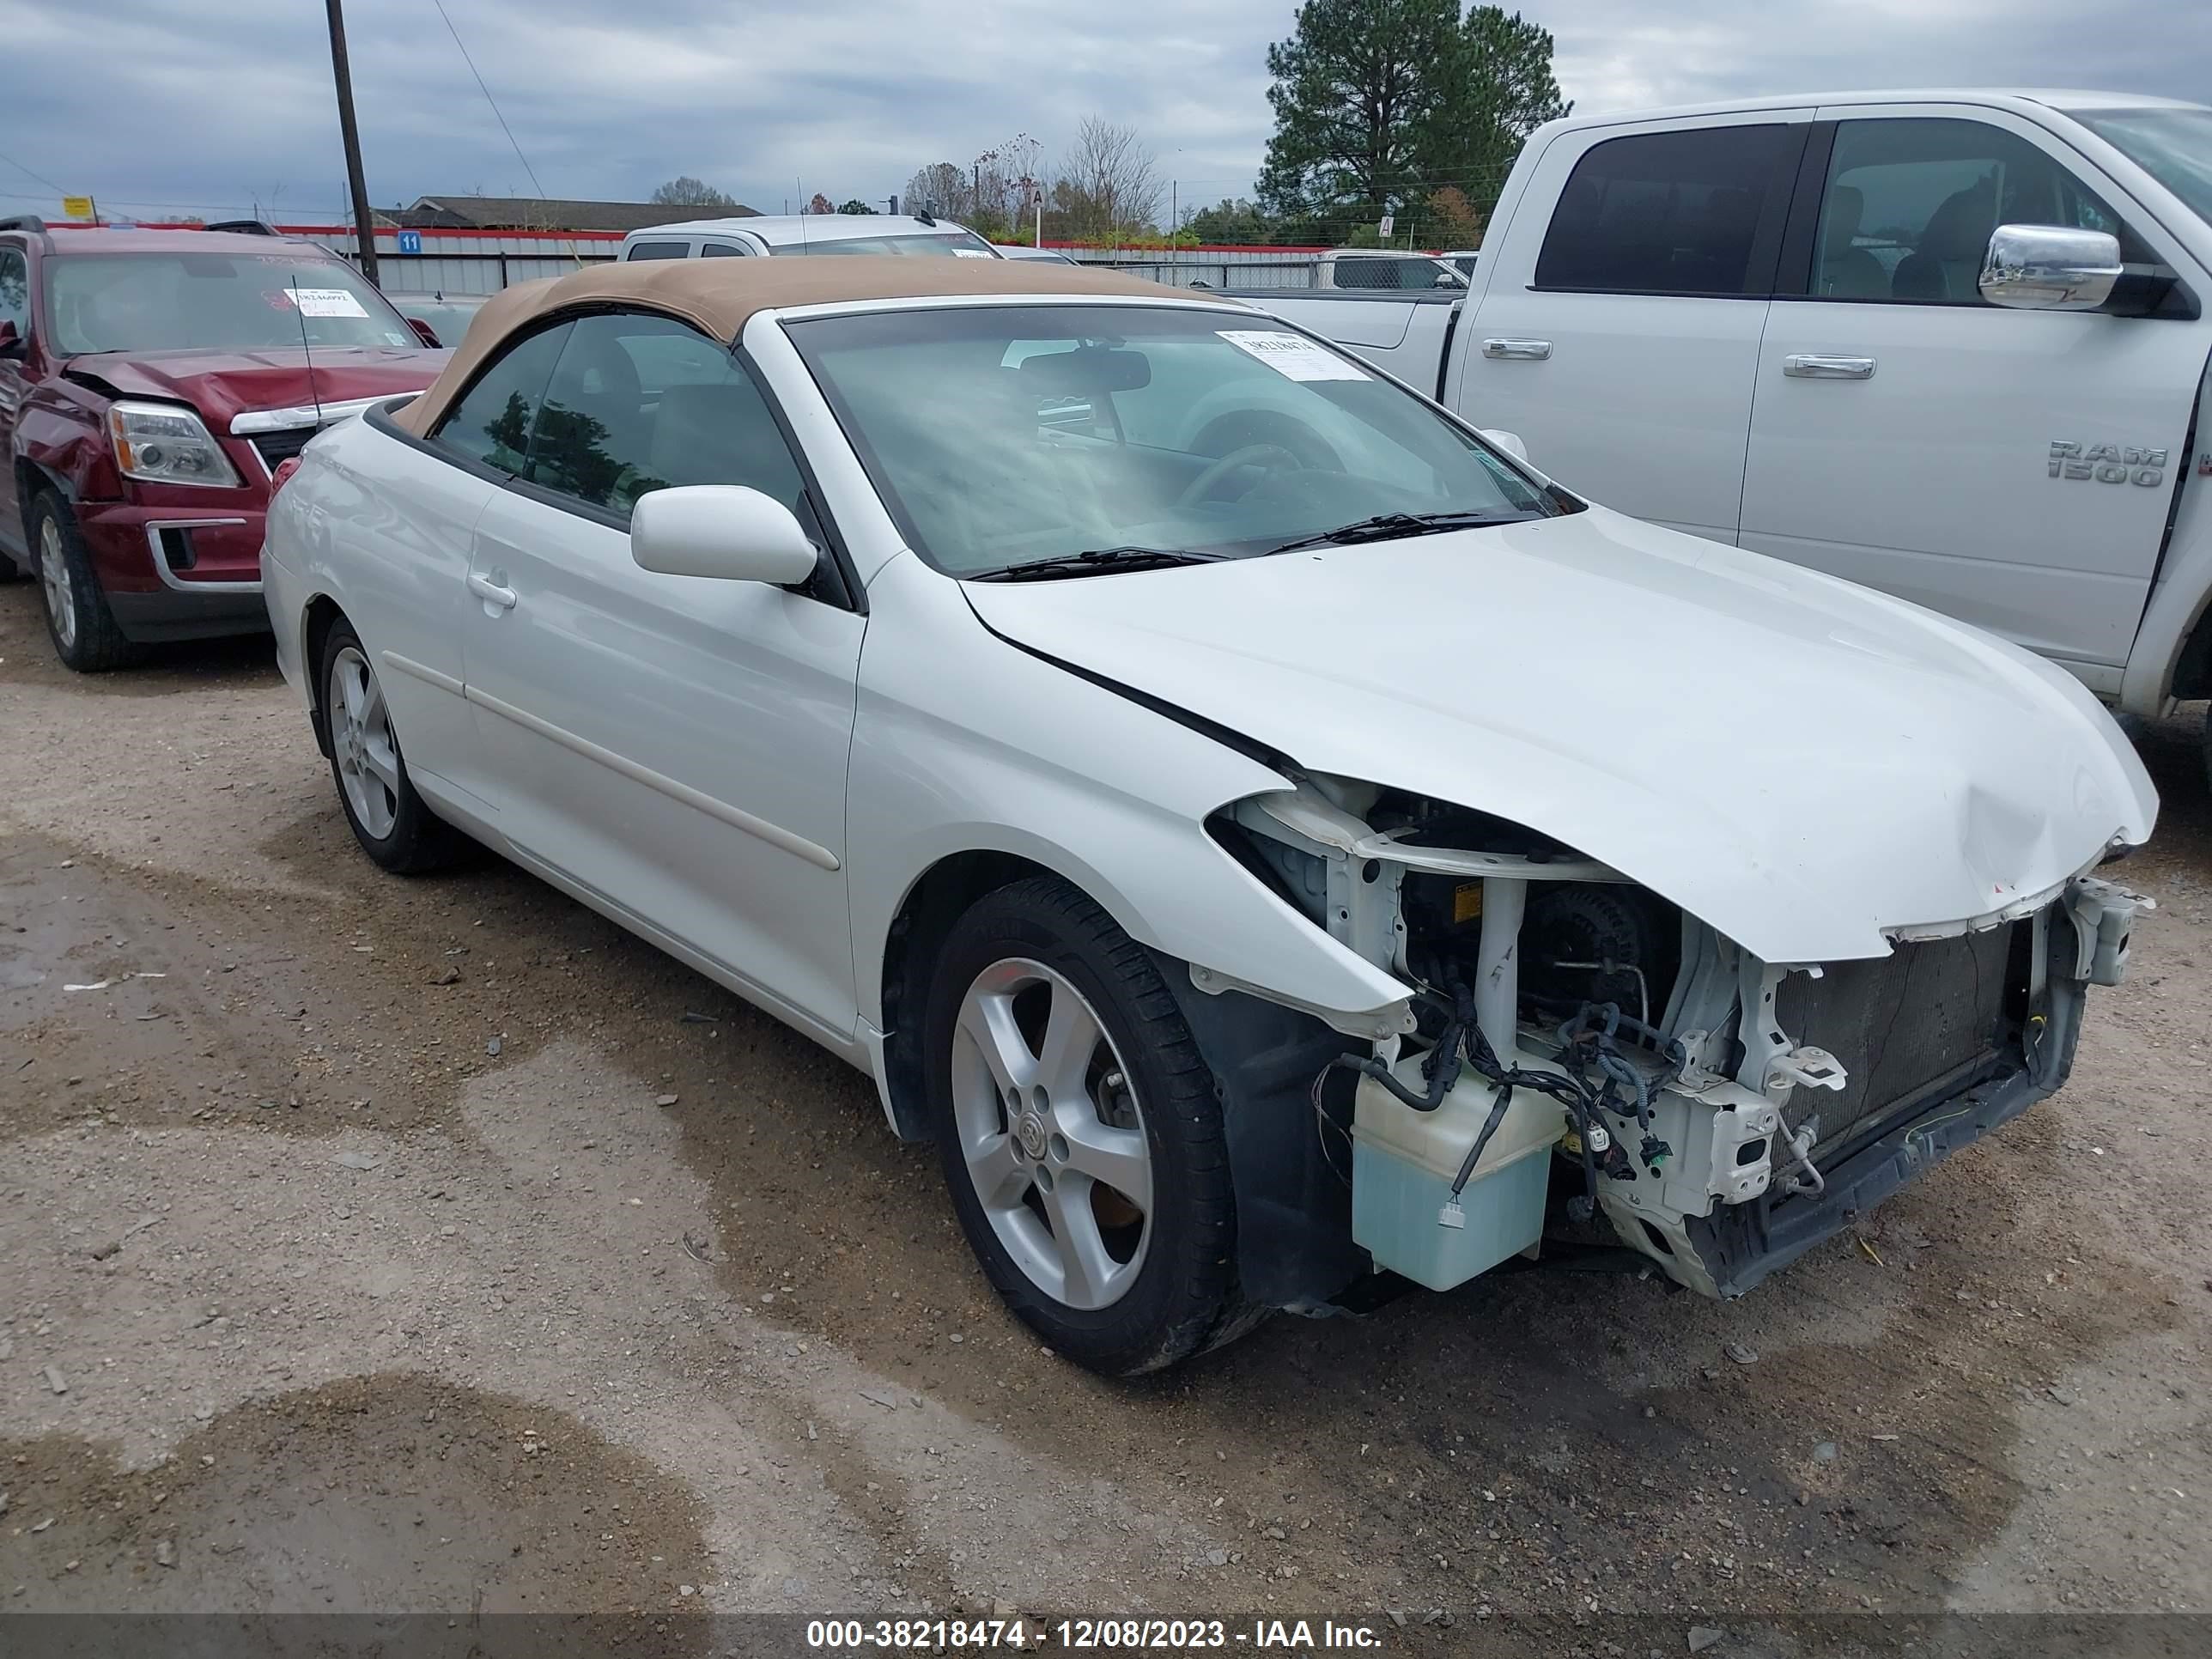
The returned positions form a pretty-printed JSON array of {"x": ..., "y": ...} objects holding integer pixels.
[{"x": 532, "y": 213}]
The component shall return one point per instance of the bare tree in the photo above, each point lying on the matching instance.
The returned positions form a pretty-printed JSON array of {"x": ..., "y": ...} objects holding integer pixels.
[
  {"x": 941, "y": 187},
  {"x": 687, "y": 191},
  {"x": 1109, "y": 182},
  {"x": 1004, "y": 183}
]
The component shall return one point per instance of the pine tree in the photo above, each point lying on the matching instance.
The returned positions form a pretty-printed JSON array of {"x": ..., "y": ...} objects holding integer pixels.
[{"x": 1379, "y": 104}]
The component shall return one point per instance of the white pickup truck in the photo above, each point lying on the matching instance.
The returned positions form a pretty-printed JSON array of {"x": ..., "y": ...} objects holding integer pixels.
[{"x": 1951, "y": 344}]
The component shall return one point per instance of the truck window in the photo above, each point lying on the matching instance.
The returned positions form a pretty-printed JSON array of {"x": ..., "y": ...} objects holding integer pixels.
[
  {"x": 15, "y": 291},
  {"x": 1910, "y": 203},
  {"x": 1670, "y": 213},
  {"x": 659, "y": 250},
  {"x": 1386, "y": 271}
]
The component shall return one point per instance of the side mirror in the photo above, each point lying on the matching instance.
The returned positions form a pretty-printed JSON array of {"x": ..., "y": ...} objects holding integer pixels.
[
  {"x": 2050, "y": 268},
  {"x": 12, "y": 344},
  {"x": 726, "y": 532},
  {"x": 1509, "y": 442},
  {"x": 425, "y": 333}
]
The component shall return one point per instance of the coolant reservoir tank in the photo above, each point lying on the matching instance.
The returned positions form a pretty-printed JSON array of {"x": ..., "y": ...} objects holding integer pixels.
[{"x": 1403, "y": 1163}]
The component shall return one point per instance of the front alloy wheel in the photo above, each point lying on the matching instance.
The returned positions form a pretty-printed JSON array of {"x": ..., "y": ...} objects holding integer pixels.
[
  {"x": 1052, "y": 1135},
  {"x": 55, "y": 581},
  {"x": 1080, "y": 1132},
  {"x": 79, "y": 620}
]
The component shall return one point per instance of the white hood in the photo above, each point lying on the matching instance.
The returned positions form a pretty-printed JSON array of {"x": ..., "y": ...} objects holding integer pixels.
[{"x": 1799, "y": 761}]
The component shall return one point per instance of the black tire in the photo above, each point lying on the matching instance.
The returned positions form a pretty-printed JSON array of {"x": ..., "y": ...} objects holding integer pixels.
[
  {"x": 78, "y": 620},
  {"x": 416, "y": 842},
  {"x": 1185, "y": 1296}
]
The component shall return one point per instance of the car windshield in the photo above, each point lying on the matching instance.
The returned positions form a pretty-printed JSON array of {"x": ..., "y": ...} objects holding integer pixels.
[
  {"x": 2174, "y": 145},
  {"x": 184, "y": 301},
  {"x": 941, "y": 245},
  {"x": 1002, "y": 435}
]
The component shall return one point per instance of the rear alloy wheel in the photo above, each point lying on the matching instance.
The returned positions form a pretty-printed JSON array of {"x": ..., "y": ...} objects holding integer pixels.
[
  {"x": 1080, "y": 1132},
  {"x": 390, "y": 820},
  {"x": 78, "y": 619}
]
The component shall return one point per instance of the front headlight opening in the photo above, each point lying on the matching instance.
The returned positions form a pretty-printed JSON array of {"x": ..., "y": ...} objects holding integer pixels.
[{"x": 160, "y": 443}]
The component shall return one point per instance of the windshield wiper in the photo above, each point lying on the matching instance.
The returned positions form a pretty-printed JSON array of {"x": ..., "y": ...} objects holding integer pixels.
[
  {"x": 1389, "y": 527},
  {"x": 1095, "y": 561}
]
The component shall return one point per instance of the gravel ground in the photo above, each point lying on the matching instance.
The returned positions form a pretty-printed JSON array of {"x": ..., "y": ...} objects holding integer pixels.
[{"x": 435, "y": 1246}]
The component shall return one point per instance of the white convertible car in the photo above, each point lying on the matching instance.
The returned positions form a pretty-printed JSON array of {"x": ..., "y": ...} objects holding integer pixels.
[{"x": 1260, "y": 829}]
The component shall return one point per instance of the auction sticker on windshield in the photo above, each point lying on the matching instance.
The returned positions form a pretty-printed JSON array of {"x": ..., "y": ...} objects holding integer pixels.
[
  {"x": 325, "y": 302},
  {"x": 1292, "y": 355}
]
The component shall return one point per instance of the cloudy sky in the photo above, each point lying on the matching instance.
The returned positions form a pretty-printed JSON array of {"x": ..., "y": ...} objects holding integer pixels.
[{"x": 225, "y": 105}]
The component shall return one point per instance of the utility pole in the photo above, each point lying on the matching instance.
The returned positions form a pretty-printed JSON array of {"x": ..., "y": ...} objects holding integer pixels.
[{"x": 364, "y": 222}]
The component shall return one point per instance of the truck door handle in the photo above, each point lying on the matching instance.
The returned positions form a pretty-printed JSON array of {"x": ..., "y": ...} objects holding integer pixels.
[
  {"x": 491, "y": 592},
  {"x": 1533, "y": 351},
  {"x": 1815, "y": 366}
]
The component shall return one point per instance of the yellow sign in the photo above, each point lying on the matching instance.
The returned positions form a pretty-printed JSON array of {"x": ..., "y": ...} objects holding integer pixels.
[{"x": 77, "y": 207}]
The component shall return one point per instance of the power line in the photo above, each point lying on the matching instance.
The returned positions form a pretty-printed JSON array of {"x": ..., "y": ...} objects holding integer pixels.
[
  {"x": 41, "y": 177},
  {"x": 488, "y": 99}
]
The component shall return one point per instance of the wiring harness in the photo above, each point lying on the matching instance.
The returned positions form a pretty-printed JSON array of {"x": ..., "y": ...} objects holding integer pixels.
[{"x": 1597, "y": 1080}]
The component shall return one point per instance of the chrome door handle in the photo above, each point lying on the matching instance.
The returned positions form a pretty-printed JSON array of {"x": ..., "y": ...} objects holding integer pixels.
[
  {"x": 491, "y": 592},
  {"x": 1815, "y": 366},
  {"x": 1534, "y": 351}
]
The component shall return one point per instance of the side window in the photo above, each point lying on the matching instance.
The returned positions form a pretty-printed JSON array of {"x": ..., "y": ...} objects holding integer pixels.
[
  {"x": 1367, "y": 273},
  {"x": 492, "y": 422},
  {"x": 721, "y": 251},
  {"x": 1909, "y": 206},
  {"x": 15, "y": 290},
  {"x": 1669, "y": 213},
  {"x": 639, "y": 403},
  {"x": 658, "y": 250}
]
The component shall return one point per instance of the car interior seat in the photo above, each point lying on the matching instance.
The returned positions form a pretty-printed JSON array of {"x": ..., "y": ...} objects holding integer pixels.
[
  {"x": 1948, "y": 263},
  {"x": 721, "y": 433},
  {"x": 1848, "y": 272},
  {"x": 594, "y": 425}
]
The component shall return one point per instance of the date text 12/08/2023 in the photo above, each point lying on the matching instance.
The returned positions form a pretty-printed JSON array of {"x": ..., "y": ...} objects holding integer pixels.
[{"x": 1085, "y": 1635}]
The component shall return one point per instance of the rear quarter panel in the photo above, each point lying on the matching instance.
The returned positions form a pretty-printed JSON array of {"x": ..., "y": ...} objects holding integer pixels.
[{"x": 381, "y": 526}]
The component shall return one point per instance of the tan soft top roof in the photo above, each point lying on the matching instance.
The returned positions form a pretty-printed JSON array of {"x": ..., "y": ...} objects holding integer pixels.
[{"x": 719, "y": 295}]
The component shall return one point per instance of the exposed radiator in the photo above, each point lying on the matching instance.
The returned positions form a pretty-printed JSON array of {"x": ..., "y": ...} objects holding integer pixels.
[{"x": 1926, "y": 1013}]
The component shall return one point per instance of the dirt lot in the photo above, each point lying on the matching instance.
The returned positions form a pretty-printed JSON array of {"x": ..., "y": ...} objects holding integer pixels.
[{"x": 348, "y": 1259}]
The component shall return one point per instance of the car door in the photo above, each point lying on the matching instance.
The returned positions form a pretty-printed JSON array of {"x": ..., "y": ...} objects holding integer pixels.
[
  {"x": 672, "y": 746},
  {"x": 1618, "y": 335},
  {"x": 404, "y": 588},
  {"x": 15, "y": 308},
  {"x": 2011, "y": 468}
]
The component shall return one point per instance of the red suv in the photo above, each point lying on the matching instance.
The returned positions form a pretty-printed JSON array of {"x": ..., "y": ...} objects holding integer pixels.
[{"x": 150, "y": 383}]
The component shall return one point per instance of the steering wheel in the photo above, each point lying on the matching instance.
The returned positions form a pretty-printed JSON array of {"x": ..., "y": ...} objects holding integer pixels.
[{"x": 1202, "y": 485}]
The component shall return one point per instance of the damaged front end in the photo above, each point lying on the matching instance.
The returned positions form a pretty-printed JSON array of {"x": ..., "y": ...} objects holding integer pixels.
[{"x": 1579, "y": 1045}]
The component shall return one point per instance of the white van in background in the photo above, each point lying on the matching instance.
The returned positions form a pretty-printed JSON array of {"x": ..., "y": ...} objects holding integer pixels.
[{"x": 805, "y": 232}]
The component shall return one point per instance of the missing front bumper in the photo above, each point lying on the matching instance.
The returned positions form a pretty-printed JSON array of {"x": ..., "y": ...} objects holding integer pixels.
[{"x": 1738, "y": 1245}]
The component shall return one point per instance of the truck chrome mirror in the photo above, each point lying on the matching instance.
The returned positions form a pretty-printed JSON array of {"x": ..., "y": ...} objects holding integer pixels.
[{"x": 2050, "y": 268}]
